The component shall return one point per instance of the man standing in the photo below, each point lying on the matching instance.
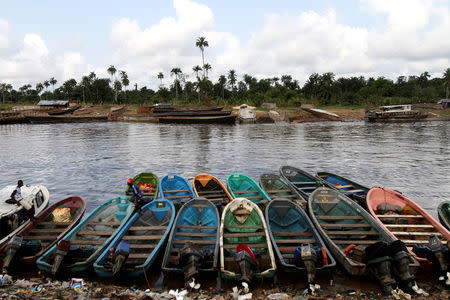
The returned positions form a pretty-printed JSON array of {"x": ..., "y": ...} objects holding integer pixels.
[
  {"x": 17, "y": 197},
  {"x": 136, "y": 198}
]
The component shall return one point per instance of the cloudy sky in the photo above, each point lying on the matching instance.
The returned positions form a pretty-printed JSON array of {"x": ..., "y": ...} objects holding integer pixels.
[{"x": 264, "y": 38}]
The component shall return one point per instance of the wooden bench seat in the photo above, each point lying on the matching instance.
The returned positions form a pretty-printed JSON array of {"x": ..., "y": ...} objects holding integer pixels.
[
  {"x": 142, "y": 246},
  {"x": 339, "y": 217},
  {"x": 138, "y": 255},
  {"x": 278, "y": 191},
  {"x": 307, "y": 188},
  {"x": 40, "y": 237},
  {"x": 292, "y": 233},
  {"x": 413, "y": 226},
  {"x": 401, "y": 216},
  {"x": 351, "y": 232},
  {"x": 104, "y": 223},
  {"x": 47, "y": 230},
  {"x": 87, "y": 242},
  {"x": 303, "y": 182},
  {"x": 210, "y": 192},
  {"x": 355, "y": 191},
  {"x": 412, "y": 233},
  {"x": 95, "y": 232},
  {"x": 147, "y": 228},
  {"x": 196, "y": 234},
  {"x": 243, "y": 234},
  {"x": 196, "y": 226},
  {"x": 295, "y": 241},
  {"x": 53, "y": 223},
  {"x": 245, "y": 192},
  {"x": 327, "y": 226},
  {"x": 199, "y": 242},
  {"x": 175, "y": 191},
  {"x": 244, "y": 226},
  {"x": 141, "y": 237},
  {"x": 234, "y": 245},
  {"x": 356, "y": 242},
  {"x": 344, "y": 186},
  {"x": 178, "y": 197}
]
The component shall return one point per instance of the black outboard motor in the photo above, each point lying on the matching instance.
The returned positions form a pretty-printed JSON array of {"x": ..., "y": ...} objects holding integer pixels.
[
  {"x": 191, "y": 257},
  {"x": 14, "y": 244},
  {"x": 61, "y": 251},
  {"x": 379, "y": 263},
  {"x": 401, "y": 261},
  {"x": 246, "y": 260},
  {"x": 308, "y": 255},
  {"x": 120, "y": 255}
]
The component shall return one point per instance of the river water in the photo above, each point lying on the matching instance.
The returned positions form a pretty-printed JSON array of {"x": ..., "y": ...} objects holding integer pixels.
[{"x": 94, "y": 160}]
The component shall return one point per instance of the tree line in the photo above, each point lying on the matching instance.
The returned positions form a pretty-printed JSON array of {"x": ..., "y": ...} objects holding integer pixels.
[{"x": 320, "y": 89}]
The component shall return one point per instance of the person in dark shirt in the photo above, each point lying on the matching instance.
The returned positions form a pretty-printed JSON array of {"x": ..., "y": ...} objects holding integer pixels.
[{"x": 136, "y": 198}]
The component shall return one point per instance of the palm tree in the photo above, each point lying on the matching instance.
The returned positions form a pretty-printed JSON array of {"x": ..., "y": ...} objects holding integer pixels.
[
  {"x": 160, "y": 77},
  {"x": 207, "y": 67},
  {"x": 46, "y": 84},
  {"x": 223, "y": 82},
  {"x": 176, "y": 72},
  {"x": 39, "y": 88},
  {"x": 124, "y": 80},
  {"x": 202, "y": 43},
  {"x": 3, "y": 90},
  {"x": 112, "y": 71},
  {"x": 447, "y": 82},
  {"x": 53, "y": 81},
  {"x": 196, "y": 69},
  {"x": 232, "y": 78}
]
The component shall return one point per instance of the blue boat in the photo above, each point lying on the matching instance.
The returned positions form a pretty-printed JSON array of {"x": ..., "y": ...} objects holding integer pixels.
[
  {"x": 240, "y": 185},
  {"x": 349, "y": 188},
  {"x": 139, "y": 242},
  {"x": 80, "y": 247},
  {"x": 297, "y": 243},
  {"x": 175, "y": 188},
  {"x": 193, "y": 246}
]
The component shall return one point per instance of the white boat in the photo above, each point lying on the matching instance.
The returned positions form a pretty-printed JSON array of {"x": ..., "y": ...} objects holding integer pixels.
[
  {"x": 246, "y": 114},
  {"x": 10, "y": 221}
]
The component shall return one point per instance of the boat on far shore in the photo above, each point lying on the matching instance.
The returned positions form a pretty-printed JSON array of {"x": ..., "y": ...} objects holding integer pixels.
[{"x": 395, "y": 114}]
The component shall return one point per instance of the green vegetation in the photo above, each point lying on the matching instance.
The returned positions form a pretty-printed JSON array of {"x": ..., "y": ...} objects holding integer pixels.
[{"x": 319, "y": 89}]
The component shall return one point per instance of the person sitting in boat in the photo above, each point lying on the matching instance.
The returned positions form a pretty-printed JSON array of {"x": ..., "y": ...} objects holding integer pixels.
[
  {"x": 136, "y": 198},
  {"x": 17, "y": 198}
]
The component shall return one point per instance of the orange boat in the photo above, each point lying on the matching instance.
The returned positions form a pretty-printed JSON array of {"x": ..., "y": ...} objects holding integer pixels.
[
  {"x": 210, "y": 187},
  {"x": 405, "y": 219}
]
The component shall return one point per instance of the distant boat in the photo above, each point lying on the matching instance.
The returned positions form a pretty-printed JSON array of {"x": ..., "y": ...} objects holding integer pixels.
[
  {"x": 64, "y": 111},
  {"x": 322, "y": 113},
  {"x": 395, "y": 113},
  {"x": 224, "y": 119},
  {"x": 246, "y": 114}
]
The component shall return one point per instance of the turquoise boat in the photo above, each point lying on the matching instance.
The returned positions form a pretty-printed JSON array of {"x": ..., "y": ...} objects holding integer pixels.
[
  {"x": 193, "y": 245},
  {"x": 139, "y": 242},
  {"x": 175, "y": 188},
  {"x": 78, "y": 249},
  {"x": 240, "y": 185}
]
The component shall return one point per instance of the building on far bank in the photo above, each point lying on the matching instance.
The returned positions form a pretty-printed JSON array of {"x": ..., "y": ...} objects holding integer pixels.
[
  {"x": 444, "y": 102},
  {"x": 53, "y": 103}
]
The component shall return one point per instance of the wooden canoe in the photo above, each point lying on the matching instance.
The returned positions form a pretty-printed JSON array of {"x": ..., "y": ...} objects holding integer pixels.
[
  {"x": 241, "y": 185},
  {"x": 412, "y": 226},
  {"x": 303, "y": 182},
  {"x": 290, "y": 227},
  {"x": 148, "y": 184},
  {"x": 90, "y": 237},
  {"x": 277, "y": 188},
  {"x": 342, "y": 222},
  {"x": 175, "y": 188},
  {"x": 237, "y": 228},
  {"x": 146, "y": 232},
  {"x": 45, "y": 232},
  {"x": 211, "y": 188},
  {"x": 444, "y": 214}
]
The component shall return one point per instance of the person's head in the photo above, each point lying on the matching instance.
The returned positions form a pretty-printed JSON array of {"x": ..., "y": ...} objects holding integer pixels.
[
  {"x": 130, "y": 181},
  {"x": 19, "y": 183}
]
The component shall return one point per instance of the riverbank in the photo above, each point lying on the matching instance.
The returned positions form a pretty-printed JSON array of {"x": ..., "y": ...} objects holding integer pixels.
[{"x": 102, "y": 113}]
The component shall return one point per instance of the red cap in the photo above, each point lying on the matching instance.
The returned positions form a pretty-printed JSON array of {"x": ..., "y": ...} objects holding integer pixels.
[{"x": 130, "y": 180}]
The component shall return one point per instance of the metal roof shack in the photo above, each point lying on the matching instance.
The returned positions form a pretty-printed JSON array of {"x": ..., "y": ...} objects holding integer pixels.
[
  {"x": 444, "y": 102},
  {"x": 54, "y": 103}
]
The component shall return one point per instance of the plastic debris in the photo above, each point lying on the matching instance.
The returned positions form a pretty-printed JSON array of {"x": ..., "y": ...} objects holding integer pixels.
[
  {"x": 23, "y": 283},
  {"x": 246, "y": 289},
  {"x": 178, "y": 295},
  {"x": 237, "y": 292},
  {"x": 399, "y": 294},
  {"x": 193, "y": 285},
  {"x": 419, "y": 291},
  {"x": 278, "y": 296},
  {"x": 76, "y": 282},
  {"x": 5, "y": 279},
  {"x": 313, "y": 289}
]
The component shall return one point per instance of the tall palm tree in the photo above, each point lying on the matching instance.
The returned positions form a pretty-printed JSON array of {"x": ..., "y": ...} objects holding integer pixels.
[
  {"x": 223, "y": 82},
  {"x": 3, "y": 90},
  {"x": 177, "y": 72},
  {"x": 160, "y": 77},
  {"x": 207, "y": 67},
  {"x": 196, "y": 69},
  {"x": 53, "y": 81},
  {"x": 112, "y": 71},
  {"x": 447, "y": 82},
  {"x": 202, "y": 43},
  {"x": 46, "y": 84},
  {"x": 232, "y": 78},
  {"x": 39, "y": 88}
]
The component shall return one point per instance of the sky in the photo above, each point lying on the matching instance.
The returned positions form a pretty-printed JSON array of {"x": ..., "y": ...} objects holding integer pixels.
[{"x": 265, "y": 38}]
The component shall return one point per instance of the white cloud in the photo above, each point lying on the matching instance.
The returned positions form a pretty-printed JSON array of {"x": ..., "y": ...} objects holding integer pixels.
[{"x": 4, "y": 30}]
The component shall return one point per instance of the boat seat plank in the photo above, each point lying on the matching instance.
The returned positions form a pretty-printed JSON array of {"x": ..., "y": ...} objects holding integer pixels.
[
  {"x": 95, "y": 232},
  {"x": 303, "y": 182},
  {"x": 285, "y": 196},
  {"x": 307, "y": 188},
  {"x": 142, "y": 237},
  {"x": 175, "y": 191},
  {"x": 355, "y": 191},
  {"x": 344, "y": 186},
  {"x": 401, "y": 216},
  {"x": 87, "y": 242},
  {"x": 327, "y": 226},
  {"x": 244, "y": 226},
  {"x": 351, "y": 232},
  {"x": 254, "y": 197},
  {"x": 287, "y": 249},
  {"x": 138, "y": 255},
  {"x": 339, "y": 217},
  {"x": 426, "y": 234},
  {"x": 104, "y": 223},
  {"x": 210, "y": 192},
  {"x": 409, "y": 226},
  {"x": 292, "y": 234},
  {"x": 197, "y": 226},
  {"x": 53, "y": 223},
  {"x": 142, "y": 246},
  {"x": 278, "y": 191},
  {"x": 47, "y": 230},
  {"x": 413, "y": 242},
  {"x": 295, "y": 241},
  {"x": 40, "y": 237},
  {"x": 176, "y": 197},
  {"x": 356, "y": 242},
  {"x": 243, "y": 234},
  {"x": 194, "y": 234},
  {"x": 200, "y": 242},
  {"x": 147, "y": 194},
  {"x": 233, "y": 246},
  {"x": 244, "y": 192},
  {"x": 147, "y": 228}
]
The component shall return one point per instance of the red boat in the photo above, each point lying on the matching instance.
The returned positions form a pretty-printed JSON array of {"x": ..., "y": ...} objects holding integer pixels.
[
  {"x": 43, "y": 232},
  {"x": 405, "y": 219}
]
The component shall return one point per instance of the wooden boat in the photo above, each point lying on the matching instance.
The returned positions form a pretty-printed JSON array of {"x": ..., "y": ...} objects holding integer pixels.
[
  {"x": 193, "y": 245},
  {"x": 68, "y": 110},
  {"x": 395, "y": 114},
  {"x": 245, "y": 246},
  {"x": 80, "y": 247},
  {"x": 408, "y": 221},
  {"x": 13, "y": 217},
  {"x": 350, "y": 188},
  {"x": 211, "y": 188},
  {"x": 240, "y": 185},
  {"x": 246, "y": 114},
  {"x": 221, "y": 119},
  {"x": 148, "y": 184},
  {"x": 175, "y": 188},
  {"x": 139, "y": 242},
  {"x": 290, "y": 230},
  {"x": 277, "y": 188},
  {"x": 444, "y": 214},
  {"x": 42, "y": 233},
  {"x": 303, "y": 182},
  {"x": 322, "y": 114},
  {"x": 66, "y": 119},
  {"x": 193, "y": 113},
  {"x": 349, "y": 231}
]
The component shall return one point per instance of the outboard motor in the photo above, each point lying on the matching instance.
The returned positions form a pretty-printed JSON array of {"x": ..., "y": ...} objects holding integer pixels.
[
  {"x": 379, "y": 263},
  {"x": 401, "y": 261},
  {"x": 61, "y": 251},
  {"x": 438, "y": 252},
  {"x": 307, "y": 254},
  {"x": 246, "y": 260},
  {"x": 14, "y": 244},
  {"x": 191, "y": 257},
  {"x": 120, "y": 255}
]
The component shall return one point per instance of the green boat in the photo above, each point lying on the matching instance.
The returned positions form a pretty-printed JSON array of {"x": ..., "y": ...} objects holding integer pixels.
[
  {"x": 243, "y": 186},
  {"x": 277, "y": 188},
  {"x": 148, "y": 183},
  {"x": 444, "y": 214},
  {"x": 302, "y": 181},
  {"x": 360, "y": 243},
  {"x": 245, "y": 248}
]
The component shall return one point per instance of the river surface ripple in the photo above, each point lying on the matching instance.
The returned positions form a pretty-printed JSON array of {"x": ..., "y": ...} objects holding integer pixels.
[{"x": 94, "y": 160}]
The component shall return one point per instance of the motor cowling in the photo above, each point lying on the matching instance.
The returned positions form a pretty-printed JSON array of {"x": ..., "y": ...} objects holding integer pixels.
[
  {"x": 61, "y": 251},
  {"x": 308, "y": 255},
  {"x": 120, "y": 256},
  {"x": 14, "y": 244},
  {"x": 191, "y": 257},
  {"x": 246, "y": 260}
]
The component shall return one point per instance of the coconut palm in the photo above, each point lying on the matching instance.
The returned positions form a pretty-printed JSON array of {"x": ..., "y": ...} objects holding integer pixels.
[
  {"x": 112, "y": 71},
  {"x": 207, "y": 67},
  {"x": 232, "y": 78},
  {"x": 53, "y": 81},
  {"x": 177, "y": 72},
  {"x": 46, "y": 84},
  {"x": 196, "y": 69},
  {"x": 202, "y": 43},
  {"x": 160, "y": 77},
  {"x": 222, "y": 82}
]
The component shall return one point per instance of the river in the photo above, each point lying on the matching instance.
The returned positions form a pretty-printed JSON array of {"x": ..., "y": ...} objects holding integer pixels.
[{"x": 94, "y": 160}]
